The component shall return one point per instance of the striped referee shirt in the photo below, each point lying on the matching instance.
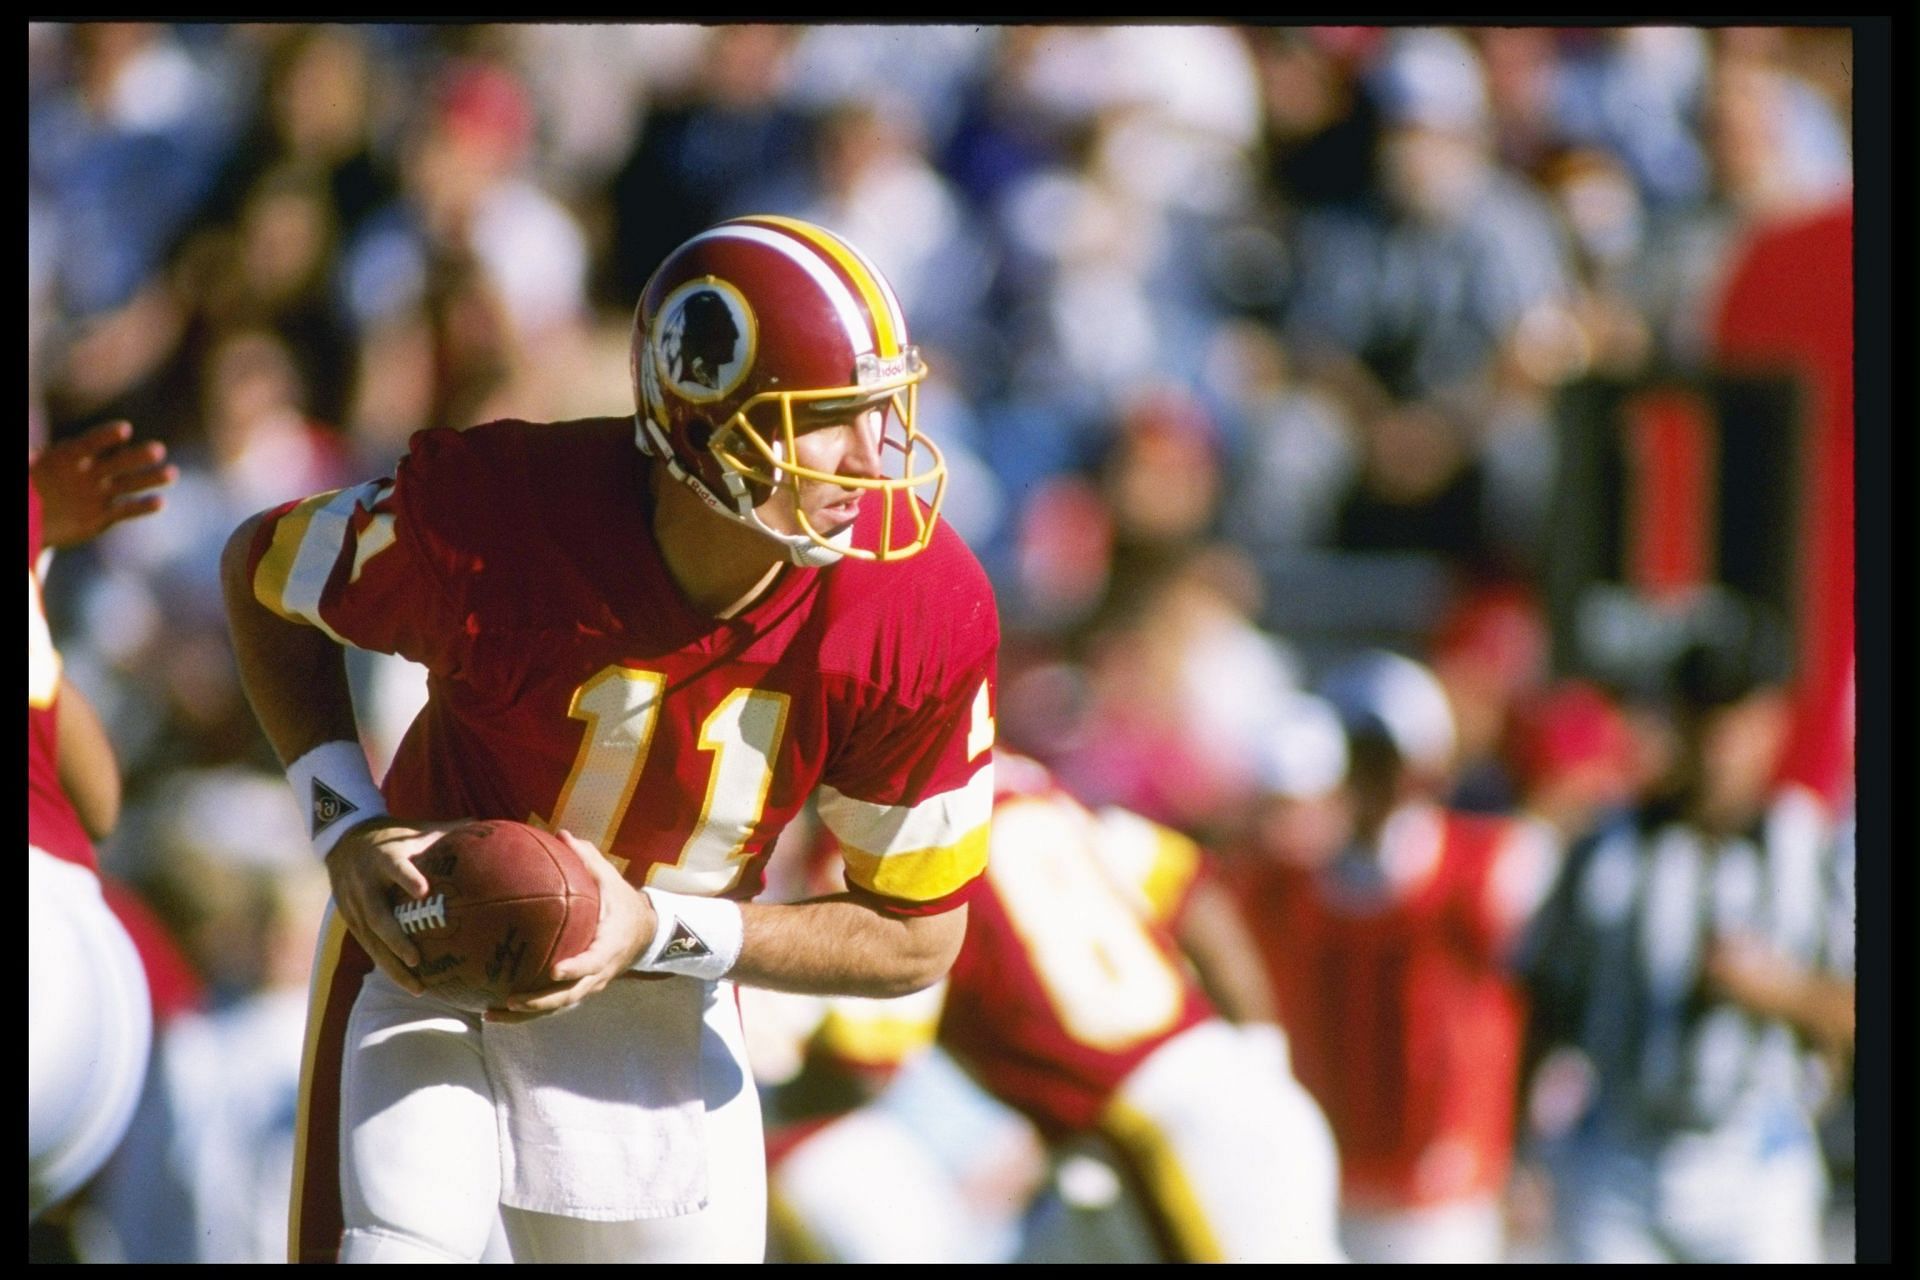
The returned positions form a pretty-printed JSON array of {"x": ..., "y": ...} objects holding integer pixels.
[{"x": 1618, "y": 957}]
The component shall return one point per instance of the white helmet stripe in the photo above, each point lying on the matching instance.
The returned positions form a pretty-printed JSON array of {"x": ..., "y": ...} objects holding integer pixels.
[{"x": 845, "y": 305}]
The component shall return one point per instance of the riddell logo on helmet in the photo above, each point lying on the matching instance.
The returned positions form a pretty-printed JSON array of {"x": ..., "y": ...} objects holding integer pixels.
[
  {"x": 704, "y": 340},
  {"x": 869, "y": 369}
]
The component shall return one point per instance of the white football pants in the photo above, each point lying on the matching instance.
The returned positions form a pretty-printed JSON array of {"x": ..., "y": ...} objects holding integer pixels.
[
  {"x": 89, "y": 1028},
  {"x": 421, "y": 1166}
]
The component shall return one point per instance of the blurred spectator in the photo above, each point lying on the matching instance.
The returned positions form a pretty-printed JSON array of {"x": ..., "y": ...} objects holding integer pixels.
[
  {"x": 1180, "y": 682},
  {"x": 318, "y": 119},
  {"x": 125, "y": 146},
  {"x": 1296, "y": 453},
  {"x": 877, "y": 187},
  {"x": 206, "y": 1173},
  {"x": 1427, "y": 282},
  {"x": 1635, "y": 92},
  {"x": 1775, "y": 148},
  {"x": 1419, "y": 488},
  {"x": 1367, "y": 895},
  {"x": 1695, "y": 955},
  {"x": 476, "y": 252},
  {"x": 1321, "y": 126},
  {"x": 733, "y": 126}
]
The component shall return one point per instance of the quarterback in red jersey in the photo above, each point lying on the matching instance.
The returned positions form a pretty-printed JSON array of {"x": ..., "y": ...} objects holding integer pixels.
[
  {"x": 1387, "y": 922},
  {"x": 1072, "y": 1002},
  {"x": 89, "y": 1021},
  {"x": 662, "y": 652}
]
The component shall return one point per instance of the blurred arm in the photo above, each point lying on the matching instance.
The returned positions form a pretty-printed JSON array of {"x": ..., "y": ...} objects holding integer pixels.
[
  {"x": 94, "y": 481},
  {"x": 1817, "y": 1005},
  {"x": 1222, "y": 950}
]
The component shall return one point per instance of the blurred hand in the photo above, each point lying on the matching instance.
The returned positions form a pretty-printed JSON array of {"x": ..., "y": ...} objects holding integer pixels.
[
  {"x": 94, "y": 481},
  {"x": 626, "y": 926},
  {"x": 1748, "y": 972},
  {"x": 373, "y": 856}
]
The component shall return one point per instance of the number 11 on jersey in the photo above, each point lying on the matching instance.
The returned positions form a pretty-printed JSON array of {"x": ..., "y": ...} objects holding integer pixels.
[{"x": 621, "y": 707}]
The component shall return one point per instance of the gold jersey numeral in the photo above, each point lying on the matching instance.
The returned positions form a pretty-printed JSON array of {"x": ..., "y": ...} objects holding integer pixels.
[{"x": 621, "y": 707}]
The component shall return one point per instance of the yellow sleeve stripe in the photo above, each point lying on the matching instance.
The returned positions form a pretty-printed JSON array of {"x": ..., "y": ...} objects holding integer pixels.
[
  {"x": 882, "y": 1032},
  {"x": 43, "y": 660},
  {"x": 307, "y": 542},
  {"x": 374, "y": 539},
  {"x": 918, "y": 875},
  {"x": 1154, "y": 863},
  {"x": 935, "y": 822},
  {"x": 1176, "y": 860}
]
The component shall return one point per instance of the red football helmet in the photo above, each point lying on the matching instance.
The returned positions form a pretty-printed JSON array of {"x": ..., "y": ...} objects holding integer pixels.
[{"x": 749, "y": 319}]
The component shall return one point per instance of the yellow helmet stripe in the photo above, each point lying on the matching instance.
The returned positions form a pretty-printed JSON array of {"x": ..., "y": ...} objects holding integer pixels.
[{"x": 864, "y": 279}]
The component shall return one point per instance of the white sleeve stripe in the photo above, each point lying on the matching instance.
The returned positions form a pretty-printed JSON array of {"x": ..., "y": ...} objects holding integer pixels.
[
  {"x": 320, "y": 547},
  {"x": 936, "y": 822}
]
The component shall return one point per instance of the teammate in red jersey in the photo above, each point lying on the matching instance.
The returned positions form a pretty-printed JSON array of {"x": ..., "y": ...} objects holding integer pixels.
[
  {"x": 88, "y": 1017},
  {"x": 662, "y": 651},
  {"x": 1072, "y": 1002},
  {"x": 1387, "y": 924}
]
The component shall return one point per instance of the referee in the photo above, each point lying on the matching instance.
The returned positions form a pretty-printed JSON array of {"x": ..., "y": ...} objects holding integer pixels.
[{"x": 1697, "y": 959}]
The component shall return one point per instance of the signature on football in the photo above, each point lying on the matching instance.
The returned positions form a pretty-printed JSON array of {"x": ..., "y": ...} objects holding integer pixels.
[{"x": 507, "y": 956}]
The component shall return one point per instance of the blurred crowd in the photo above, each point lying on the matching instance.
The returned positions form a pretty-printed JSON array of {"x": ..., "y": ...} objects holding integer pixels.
[{"x": 1245, "y": 347}]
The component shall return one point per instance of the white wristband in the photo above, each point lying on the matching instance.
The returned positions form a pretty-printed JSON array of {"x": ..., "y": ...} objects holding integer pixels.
[
  {"x": 694, "y": 937},
  {"x": 335, "y": 791}
]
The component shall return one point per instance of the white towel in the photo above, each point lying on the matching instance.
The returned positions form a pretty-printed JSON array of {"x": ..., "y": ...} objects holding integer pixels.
[{"x": 600, "y": 1108}]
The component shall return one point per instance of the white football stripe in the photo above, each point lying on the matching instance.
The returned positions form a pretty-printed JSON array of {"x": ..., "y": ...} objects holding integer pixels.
[
  {"x": 320, "y": 550},
  {"x": 845, "y": 304},
  {"x": 934, "y": 823}
]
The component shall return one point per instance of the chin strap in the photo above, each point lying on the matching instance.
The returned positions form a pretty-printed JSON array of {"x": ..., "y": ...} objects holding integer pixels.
[{"x": 801, "y": 550}]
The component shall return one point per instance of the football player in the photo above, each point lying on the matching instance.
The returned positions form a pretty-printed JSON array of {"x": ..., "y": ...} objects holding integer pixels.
[
  {"x": 1072, "y": 1002},
  {"x": 89, "y": 1020},
  {"x": 1388, "y": 924},
  {"x": 659, "y": 636}
]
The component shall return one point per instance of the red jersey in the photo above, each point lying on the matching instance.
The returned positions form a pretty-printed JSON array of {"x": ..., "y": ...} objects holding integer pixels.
[
  {"x": 1069, "y": 977},
  {"x": 1403, "y": 1021},
  {"x": 52, "y": 822},
  {"x": 572, "y": 685}
]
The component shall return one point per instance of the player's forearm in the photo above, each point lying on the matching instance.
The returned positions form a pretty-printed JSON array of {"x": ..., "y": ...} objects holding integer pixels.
[
  {"x": 1223, "y": 954},
  {"x": 295, "y": 676},
  {"x": 837, "y": 946},
  {"x": 1818, "y": 1006},
  {"x": 89, "y": 774}
]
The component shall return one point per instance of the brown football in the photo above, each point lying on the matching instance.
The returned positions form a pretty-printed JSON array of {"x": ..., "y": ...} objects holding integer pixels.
[{"x": 505, "y": 901}]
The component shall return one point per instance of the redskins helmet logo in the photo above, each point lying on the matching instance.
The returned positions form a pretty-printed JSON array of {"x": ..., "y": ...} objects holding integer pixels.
[{"x": 704, "y": 340}]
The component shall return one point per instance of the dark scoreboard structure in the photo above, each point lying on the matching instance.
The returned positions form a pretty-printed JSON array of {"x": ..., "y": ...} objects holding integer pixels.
[{"x": 1675, "y": 496}]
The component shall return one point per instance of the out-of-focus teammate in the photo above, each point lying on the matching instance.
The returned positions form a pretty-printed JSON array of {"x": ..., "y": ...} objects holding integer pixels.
[
  {"x": 1387, "y": 923},
  {"x": 1072, "y": 1001},
  {"x": 89, "y": 1021}
]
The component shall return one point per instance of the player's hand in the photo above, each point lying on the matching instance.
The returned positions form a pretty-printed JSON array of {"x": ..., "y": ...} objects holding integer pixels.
[
  {"x": 94, "y": 481},
  {"x": 625, "y": 928},
  {"x": 373, "y": 856}
]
